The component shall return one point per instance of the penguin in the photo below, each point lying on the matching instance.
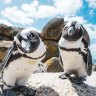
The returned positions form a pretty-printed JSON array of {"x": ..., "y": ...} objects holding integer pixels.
[
  {"x": 75, "y": 55},
  {"x": 22, "y": 59}
]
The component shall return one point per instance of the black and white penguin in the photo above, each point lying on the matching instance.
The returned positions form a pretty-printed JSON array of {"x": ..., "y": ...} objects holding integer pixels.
[
  {"x": 75, "y": 55},
  {"x": 25, "y": 54}
]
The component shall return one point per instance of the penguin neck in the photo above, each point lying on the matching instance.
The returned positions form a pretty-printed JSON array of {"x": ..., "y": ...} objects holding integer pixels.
[{"x": 70, "y": 44}]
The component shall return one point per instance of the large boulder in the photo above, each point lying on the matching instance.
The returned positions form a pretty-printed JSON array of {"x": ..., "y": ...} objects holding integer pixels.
[
  {"x": 54, "y": 65},
  {"x": 4, "y": 45},
  {"x": 6, "y": 36},
  {"x": 50, "y": 35}
]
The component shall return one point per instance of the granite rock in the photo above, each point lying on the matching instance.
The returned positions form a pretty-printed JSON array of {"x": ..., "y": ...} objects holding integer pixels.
[
  {"x": 50, "y": 35},
  {"x": 8, "y": 31}
]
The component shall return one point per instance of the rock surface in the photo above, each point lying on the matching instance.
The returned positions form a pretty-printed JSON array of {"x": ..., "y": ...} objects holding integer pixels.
[
  {"x": 48, "y": 84},
  {"x": 6, "y": 36},
  {"x": 50, "y": 35},
  {"x": 54, "y": 65},
  {"x": 8, "y": 32},
  {"x": 4, "y": 45},
  {"x": 53, "y": 29}
]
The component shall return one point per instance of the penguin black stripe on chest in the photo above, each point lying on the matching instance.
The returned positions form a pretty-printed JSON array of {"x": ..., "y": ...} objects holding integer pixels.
[{"x": 78, "y": 50}]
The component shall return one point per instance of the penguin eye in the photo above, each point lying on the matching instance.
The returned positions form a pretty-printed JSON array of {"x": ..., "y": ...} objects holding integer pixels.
[
  {"x": 33, "y": 35},
  {"x": 19, "y": 37},
  {"x": 29, "y": 36},
  {"x": 65, "y": 28}
]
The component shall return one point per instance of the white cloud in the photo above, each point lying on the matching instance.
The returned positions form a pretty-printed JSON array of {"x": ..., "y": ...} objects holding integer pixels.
[
  {"x": 17, "y": 16},
  {"x": 59, "y": 8},
  {"x": 45, "y": 11},
  {"x": 33, "y": 28},
  {"x": 5, "y": 22},
  {"x": 7, "y": 1},
  {"x": 75, "y": 18},
  {"x": 68, "y": 7},
  {"x": 91, "y": 28},
  {"x": 27, "y": 12},
  {"x": 93, "y": 46},
  {"x": 93, "y": 51},
  {"x": 91, "y": 12},
  {"x": 37, "y": 10},
  {"x": 30, "y": 8},
  {"x": 92, "y": 3}
]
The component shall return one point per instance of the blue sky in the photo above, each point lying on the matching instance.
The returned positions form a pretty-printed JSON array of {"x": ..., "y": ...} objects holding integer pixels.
[{"x": 36, "y": 13}]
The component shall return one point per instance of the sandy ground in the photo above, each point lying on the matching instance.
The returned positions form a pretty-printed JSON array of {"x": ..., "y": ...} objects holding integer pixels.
[{"x": 48, "y": 84}]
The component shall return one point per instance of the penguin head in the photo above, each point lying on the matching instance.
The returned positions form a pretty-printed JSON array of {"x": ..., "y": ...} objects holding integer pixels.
[
  {"x": 27, "y": 40},
  {"x": 72, "y": 31}
]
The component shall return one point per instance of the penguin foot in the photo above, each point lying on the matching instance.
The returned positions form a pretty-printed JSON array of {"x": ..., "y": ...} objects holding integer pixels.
[
  {"x": 79, "y": 80},
  {"x": 65, "y": 76},
  {"x": 26, "y": 91},
  {"x": 19, "y": 91},
  {"x": 8, "y": 92}
]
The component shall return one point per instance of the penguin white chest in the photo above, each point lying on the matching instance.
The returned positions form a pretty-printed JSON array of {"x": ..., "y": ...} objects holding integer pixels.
[
  {"x": 22, "y": 67},
  {"x": 72, "y": 60},
  {"x": 19, "y": 71}
]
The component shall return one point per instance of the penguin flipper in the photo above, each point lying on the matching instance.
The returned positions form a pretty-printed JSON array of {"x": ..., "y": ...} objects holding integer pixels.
[
  {"x": 86, "y": 35},
  {"x": 89, "y": 63},
  {"x": 7, "y": 57}
]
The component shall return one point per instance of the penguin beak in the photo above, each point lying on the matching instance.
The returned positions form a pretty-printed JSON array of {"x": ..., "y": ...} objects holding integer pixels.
[
  {"x": 68, "y": 31},
  {"x": 71, "y": 31}
]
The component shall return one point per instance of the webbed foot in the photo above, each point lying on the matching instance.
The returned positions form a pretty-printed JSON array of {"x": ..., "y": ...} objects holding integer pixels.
[
  {"x": 8, "y": 92},
  {"x": 79, "y": 80},
  {"x": 26, "y": 91}
]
